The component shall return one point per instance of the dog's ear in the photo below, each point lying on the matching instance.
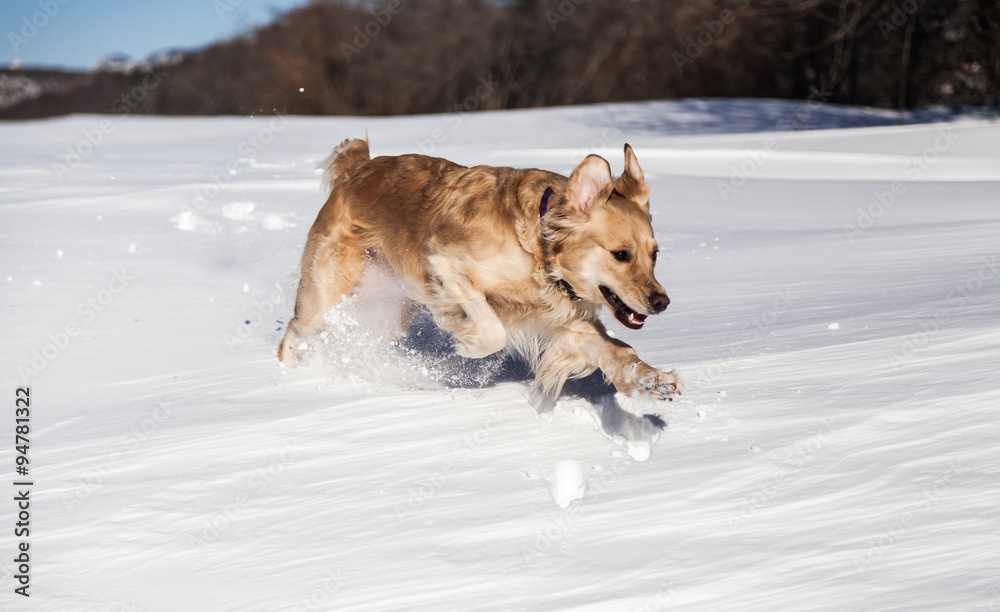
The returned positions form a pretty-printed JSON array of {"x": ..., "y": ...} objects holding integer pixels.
[
  {"x": 632, "y": 165},
  {"x": 589, "y": 179},
  {"x": 632, "y": 184}
]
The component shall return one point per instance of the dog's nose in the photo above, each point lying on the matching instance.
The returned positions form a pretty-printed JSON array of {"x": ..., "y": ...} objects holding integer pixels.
[{"x": 658, "y": 302}]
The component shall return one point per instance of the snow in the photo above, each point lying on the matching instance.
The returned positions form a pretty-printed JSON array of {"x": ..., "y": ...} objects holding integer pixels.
[
  {"x": 568, "y": 482},
  {"x": 834, "y": 321}
]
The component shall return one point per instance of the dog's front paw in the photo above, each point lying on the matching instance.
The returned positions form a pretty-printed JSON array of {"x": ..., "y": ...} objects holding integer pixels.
[{"x": 661, "y": 385}]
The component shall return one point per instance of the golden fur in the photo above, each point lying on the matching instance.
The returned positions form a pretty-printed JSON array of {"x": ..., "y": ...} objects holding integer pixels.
[{"x": 491, "y": 270}]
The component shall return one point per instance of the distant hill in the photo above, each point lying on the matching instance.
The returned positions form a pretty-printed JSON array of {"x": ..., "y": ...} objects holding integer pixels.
[{"x": 401, "y": 57}]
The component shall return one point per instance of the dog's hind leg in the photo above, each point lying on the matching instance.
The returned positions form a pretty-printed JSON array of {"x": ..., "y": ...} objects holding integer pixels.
[
  {"x": 463, "y": 311},
  {"x": 407, "y": 313},
  {"x": 473, "y": 324},
  {"x": 331, "y": 266}
]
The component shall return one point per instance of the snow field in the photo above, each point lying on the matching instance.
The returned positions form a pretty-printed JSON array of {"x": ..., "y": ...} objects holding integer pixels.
[{"x": 833, "y": 319}]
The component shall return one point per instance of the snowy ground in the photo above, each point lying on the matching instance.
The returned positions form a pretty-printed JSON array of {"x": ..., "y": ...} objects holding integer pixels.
[{"x": 834, "y": 318}]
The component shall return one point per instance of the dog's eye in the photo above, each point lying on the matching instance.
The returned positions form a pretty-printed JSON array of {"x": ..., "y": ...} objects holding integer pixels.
[
  {"x": 621, "y": 255},
  {"x": 654, "y": 255}
]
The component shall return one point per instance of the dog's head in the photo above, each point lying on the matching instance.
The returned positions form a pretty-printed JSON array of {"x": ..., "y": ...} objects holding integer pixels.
[{"x": 600, "y": 240}]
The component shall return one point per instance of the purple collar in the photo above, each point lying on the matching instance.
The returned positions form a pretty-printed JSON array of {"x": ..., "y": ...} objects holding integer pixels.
[{"x": 544, "y": 206}]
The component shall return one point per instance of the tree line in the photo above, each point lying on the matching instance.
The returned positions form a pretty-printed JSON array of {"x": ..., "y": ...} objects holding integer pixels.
[{"x": 392, "y": 57}]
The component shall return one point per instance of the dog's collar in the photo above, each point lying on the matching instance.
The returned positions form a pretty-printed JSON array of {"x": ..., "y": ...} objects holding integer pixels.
[
  {"x": 567, "y": 289},
  {"x": 544, "y": 206},
  {"x": 561, "y": 284}
]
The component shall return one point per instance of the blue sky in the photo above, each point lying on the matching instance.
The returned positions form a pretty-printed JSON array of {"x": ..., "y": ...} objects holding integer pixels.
[{"x": 78, "y": 33}]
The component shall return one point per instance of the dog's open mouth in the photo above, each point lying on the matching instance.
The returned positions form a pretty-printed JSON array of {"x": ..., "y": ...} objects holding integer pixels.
[{"x": 628, "y": 317}]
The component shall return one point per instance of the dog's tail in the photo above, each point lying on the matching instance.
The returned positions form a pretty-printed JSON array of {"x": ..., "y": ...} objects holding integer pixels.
[{"x": 345, "y": 158}]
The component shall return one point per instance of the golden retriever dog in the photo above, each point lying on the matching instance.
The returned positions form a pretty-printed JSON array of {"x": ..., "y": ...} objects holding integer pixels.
[{"x": 502, "y": 258}]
